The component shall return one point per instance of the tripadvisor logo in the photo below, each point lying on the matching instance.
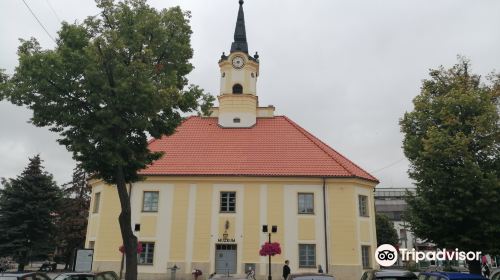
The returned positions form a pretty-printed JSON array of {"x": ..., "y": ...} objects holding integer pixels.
[{"x": 387, "y": 255}]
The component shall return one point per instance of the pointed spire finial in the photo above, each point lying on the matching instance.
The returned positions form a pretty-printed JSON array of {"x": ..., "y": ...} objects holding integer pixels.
[{"x": 240, "y": 37}]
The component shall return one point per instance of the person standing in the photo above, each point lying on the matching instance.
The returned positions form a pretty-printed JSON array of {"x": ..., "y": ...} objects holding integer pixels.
[
  {"x": 286, "y": 270},
  {"x": 486, "y": 271}
]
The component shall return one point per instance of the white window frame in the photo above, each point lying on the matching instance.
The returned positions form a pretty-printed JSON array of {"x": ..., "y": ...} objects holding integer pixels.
[
  {"x": 366, "y": 261},
  {"x": 97, "y": 202},
  {"x": 363, "y": 205},
  {"x": 225, "y": 206},
  {"x": 305, "y": 209},
  {"x": 142, "y": 258},
  {"x": 307, "y": 263},
  {"x": 150, "y": 209}
]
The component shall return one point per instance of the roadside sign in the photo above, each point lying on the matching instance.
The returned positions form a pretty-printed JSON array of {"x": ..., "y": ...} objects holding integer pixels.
[{"x": 83, "y": 260}]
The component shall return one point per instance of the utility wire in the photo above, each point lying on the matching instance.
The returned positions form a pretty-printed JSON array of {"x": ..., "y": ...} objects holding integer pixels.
[
  {"x": 389, "y": 165},
  {"x": 53, "y": 11},
  {"x": 39, "y": 22}
]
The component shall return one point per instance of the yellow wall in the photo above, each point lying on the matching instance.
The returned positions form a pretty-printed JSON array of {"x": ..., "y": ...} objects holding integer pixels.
[
  {"x": 346, "y": 232},
  {"x": 179, "y": 223},
  {"x": 343, "y": 233},
  {"x": 364, "y": 230},
  {"x": 252, "y": 226},
  {"x": 307, "y": 228},
  {"x": 92, "y": 225},
  {"x": 109, "y": 237},
  {"x": 275, "y": 216},
  {"x": 244, "y": 103},
  {"x": 232, "y": 225},
  {"x": 148, "y": 225},
  {"x": 202, "y": 223}
]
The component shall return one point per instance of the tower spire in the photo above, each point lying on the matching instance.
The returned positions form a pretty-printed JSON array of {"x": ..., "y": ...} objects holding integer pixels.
[{"x": 240, "y": 36}]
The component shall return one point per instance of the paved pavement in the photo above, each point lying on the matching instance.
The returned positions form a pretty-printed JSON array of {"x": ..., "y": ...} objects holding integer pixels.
[{"x": 230, "y": 277}]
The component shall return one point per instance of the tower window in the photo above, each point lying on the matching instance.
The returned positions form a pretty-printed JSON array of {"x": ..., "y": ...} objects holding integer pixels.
[
  {"x": 237, "y": 89},
  {"x": 236, "y": 120}
]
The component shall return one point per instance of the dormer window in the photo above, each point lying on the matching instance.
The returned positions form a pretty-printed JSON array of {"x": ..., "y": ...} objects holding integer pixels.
[
  {"x": 237, "y": 89},
  {"x": 236, "y": 120}
]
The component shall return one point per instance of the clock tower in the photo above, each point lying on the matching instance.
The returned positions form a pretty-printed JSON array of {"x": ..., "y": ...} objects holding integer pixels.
[{"x": 238, "y": 101}]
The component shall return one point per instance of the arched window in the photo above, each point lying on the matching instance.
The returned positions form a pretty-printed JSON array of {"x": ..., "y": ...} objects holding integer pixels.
[{"x": 237, "y": 89}]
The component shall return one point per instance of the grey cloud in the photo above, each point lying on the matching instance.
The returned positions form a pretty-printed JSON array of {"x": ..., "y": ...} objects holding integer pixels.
[{"x": 344, "y": 70}]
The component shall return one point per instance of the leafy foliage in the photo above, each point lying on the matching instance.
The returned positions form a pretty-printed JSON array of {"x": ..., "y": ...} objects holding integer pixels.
[
  {"x": 72, "y": 215},
  {"x": 451, "y": 139},
  {"x": 3, "y": 83},
  {"x": 110, "y": 83},
  {"x": 28, "y": 206},
  {"x": 386, "y": 233}
]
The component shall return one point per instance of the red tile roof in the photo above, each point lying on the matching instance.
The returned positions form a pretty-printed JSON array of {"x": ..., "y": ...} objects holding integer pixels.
[{"x": 273, "y": 147}]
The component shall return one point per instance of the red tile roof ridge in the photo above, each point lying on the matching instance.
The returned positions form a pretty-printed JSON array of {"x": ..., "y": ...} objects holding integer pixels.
[{"x": 315, "y": 140}]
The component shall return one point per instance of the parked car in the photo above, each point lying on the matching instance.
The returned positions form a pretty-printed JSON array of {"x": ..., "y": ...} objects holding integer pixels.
[
  {"x": 105, "y": 275},
  {"x": 495, "y": 274},
  {"x": 48, "y": 266},
  {"x": 389, "y": 274},
  {"x": 310, "y": 276},
  {"x": 449, "y": 276},
  {"x": 24, "y": 276}
]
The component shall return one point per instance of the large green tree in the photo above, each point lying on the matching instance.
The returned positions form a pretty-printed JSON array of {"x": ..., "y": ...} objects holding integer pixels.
[
  {"x": 72, "y": 215},
  {"x": 451, "y": 139},
  {"x": 28, "y": 206},
  {"x": 386, "y": 233},
  {"x": 110, "y": 83}
]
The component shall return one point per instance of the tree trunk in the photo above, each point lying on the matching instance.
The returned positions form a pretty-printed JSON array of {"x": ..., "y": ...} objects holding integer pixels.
[
  {"x": 22, "y": 261},
  {"x": 474, "y": 267},
  {"x": 129, "y": 239},
  {"x": 20, "y": 266},
  {"x": 70, "y": 257}
]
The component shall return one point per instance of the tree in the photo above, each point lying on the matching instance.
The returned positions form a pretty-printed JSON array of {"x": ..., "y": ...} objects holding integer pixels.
[
  {"x": 110, "y": 83},
  {"x": 3, "y": 83},
  {"x": 73, "y": 214},
  {"x": 451, "y": 139},
  {"x": 28, "y": 205},
  {"x": 386, "y": 234}
]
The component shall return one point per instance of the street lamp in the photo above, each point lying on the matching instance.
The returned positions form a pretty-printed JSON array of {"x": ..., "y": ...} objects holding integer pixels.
[{"x": 265, "y": 229}]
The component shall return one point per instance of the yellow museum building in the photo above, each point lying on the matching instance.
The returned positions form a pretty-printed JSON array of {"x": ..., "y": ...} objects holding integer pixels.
[{"x": 222, "y": 178}]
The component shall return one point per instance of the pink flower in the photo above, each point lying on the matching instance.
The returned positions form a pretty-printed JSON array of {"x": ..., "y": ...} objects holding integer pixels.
[
  {"x": 270, "y": 249},
  {"x": 139, "y": 248}
]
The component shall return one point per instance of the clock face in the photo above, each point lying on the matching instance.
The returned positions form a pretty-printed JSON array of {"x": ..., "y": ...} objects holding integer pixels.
[{"x": 238, "y": 62}]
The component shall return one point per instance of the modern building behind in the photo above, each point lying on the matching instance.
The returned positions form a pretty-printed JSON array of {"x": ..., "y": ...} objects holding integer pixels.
[
  {"x": 223, "y": 177},
  {"x": 391, "y": 203}
]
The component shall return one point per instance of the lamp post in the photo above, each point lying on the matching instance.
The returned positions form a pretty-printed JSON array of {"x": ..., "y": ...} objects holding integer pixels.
[{"x": 265, "y": 229}]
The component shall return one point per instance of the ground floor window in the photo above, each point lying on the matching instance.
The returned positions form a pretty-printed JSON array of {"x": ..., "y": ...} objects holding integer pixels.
[
  {"x": 147, "y": 254},
  {"x": 365, "y": 256},
  {"x": 307, "y": 255}
]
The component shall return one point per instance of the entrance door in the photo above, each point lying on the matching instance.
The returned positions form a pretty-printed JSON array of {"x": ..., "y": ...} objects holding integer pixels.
[{"x": 225, "y": 258}]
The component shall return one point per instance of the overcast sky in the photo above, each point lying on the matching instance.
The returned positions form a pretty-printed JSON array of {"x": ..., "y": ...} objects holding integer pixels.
[{"x": 344, "y": 70}]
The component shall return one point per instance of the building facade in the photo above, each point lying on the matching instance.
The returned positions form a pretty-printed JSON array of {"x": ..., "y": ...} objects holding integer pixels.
[
  {"x": 224, "y": 177},
  {"x": 391, "y": 203}
]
